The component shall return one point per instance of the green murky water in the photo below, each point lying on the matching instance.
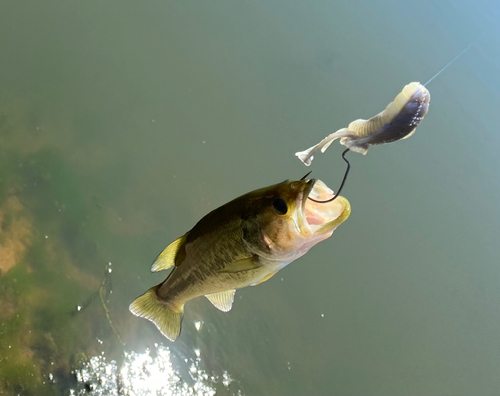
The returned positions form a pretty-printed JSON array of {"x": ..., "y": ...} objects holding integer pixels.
[{"x": 122, "y": 123}]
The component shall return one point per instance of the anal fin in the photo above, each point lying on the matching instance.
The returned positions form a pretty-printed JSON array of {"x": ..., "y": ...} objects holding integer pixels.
[{"x": 223, "y": 300}]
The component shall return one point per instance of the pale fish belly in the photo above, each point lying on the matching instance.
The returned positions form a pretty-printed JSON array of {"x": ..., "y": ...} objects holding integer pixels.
[{"x": 216, "y": 283}]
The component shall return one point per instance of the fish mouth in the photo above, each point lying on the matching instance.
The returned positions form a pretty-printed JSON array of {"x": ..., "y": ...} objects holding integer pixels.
[{"x": 321, "y": 218}]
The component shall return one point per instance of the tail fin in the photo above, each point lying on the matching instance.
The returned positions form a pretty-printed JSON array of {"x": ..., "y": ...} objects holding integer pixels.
[{"x": 162, "y": 315}]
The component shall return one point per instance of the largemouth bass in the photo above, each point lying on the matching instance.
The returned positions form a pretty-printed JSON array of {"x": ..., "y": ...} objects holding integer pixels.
[{"x": 242, "y": 243}]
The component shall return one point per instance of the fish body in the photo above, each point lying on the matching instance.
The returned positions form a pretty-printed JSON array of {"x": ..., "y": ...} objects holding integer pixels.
[
  {"x": 397, "y": 121},
  {"x": 242, "y": 243}
]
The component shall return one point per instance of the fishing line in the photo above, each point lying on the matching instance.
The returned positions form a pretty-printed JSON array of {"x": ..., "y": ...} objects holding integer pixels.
[
  {"x": 456, "y": 57},
  {"x": 449, "y": 63}
]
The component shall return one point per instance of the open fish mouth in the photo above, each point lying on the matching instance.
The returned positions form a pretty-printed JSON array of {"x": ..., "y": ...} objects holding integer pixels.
[{"x": 323, "y": 217}]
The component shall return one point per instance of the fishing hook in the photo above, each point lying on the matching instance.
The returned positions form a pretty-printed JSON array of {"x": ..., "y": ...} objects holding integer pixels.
[
  {"x": 341, "y": 184},
  {"x": 307, "y": 174}
]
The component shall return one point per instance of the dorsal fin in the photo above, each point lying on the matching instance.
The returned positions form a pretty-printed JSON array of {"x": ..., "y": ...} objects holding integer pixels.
[
  {"x": 166, "y": 258},
  {"x": 223, "y": 300}
]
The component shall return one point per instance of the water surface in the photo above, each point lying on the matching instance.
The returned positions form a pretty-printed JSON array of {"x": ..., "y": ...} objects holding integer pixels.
[{"x": 122, "y": 123}]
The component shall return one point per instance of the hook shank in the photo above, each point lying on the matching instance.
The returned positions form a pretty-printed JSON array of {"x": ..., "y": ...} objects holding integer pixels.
[{"x": 341, "y": 184}]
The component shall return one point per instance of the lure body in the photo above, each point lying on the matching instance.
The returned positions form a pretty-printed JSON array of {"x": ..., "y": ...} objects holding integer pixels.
[{"x": 397, "y": 121}]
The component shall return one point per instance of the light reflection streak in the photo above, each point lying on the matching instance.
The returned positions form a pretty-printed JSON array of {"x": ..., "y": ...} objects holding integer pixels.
[{"x": 141, "y": 374}]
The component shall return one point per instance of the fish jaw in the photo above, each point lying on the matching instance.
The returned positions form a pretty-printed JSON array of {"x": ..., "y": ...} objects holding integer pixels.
[
  {"x": 319, "y": 220},
  {"x": 314, "y": 222}
]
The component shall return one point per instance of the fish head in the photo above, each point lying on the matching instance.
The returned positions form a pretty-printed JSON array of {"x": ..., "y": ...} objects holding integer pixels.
[{"x": 280, "y": 223}]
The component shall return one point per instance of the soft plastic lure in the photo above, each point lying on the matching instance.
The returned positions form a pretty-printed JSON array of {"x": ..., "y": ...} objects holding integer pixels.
[{"x": 398, "y": 121}]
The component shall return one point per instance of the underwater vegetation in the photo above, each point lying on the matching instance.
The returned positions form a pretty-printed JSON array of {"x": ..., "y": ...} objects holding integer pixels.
[
  {"x": 60, "y": 329},
  {"x": 44, "y": 276}
]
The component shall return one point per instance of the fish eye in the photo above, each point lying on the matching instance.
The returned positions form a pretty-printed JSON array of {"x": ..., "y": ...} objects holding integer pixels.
[{"x": 280, "y": 206}]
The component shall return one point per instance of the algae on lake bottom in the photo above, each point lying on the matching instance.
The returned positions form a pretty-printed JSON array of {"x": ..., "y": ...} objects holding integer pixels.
[{"x": 44, "y": 274}]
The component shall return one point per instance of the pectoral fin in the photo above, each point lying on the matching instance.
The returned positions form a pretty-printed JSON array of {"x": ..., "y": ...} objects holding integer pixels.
[
  {"x": 166, "y": 258},
  {"x": 223, "y": 300},
  {"x": 246, "y": 264}
]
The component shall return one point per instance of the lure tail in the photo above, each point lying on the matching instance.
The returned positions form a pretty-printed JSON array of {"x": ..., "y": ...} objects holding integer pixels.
[
  {"x": 167, "y": 320},
  {"x": 307, "y": 156}
]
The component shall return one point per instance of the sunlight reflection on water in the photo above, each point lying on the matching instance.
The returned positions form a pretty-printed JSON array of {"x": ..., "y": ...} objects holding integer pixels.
[{"x": 143, "y": 374}]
